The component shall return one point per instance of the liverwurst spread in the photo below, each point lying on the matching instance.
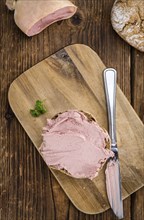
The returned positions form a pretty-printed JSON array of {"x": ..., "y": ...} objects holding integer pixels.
[{"x": 75, "y": 144}]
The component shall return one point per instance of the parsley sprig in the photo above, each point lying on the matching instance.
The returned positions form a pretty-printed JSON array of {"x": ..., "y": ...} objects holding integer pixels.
[{"x": 39, "y": 109}]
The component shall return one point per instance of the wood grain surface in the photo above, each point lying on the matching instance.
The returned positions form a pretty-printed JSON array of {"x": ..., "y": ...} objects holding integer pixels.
[
  {"x": 72, "y": 79},
  {"x": 25, "y": 192}
]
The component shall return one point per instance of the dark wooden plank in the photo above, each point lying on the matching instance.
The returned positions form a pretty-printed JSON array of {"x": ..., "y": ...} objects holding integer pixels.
[
  {"x": 60, "y": 200},
  {"x": 137, "y": 70},
  {"x": 137, "y": 91},
  {"x": 137, "y": 205},
  {"x": 21, "y": 166}
]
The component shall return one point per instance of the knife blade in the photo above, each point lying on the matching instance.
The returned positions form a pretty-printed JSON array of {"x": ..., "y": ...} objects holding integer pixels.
[{"x": 113, "y": 178}]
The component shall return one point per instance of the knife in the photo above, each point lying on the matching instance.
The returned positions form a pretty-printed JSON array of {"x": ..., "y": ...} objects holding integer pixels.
[{"x": 113, "y": 179}]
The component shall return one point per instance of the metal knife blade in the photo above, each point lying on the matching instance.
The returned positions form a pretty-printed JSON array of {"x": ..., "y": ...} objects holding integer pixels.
[{"x": 113, "y": 179}]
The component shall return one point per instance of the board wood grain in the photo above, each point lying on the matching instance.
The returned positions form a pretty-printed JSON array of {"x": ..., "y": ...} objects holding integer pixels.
[{"x": 72, "y": 79}]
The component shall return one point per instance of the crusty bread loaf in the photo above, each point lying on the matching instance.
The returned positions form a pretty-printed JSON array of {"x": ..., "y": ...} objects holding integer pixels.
[{"x": 127, "y": 17}]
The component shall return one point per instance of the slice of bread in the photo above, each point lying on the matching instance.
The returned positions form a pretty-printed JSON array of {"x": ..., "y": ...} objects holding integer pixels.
[{"x": 74, "y": 127}]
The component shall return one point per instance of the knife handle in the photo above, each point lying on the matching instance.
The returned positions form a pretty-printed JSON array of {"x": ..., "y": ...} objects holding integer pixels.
[{"x": 110, "y": 77}]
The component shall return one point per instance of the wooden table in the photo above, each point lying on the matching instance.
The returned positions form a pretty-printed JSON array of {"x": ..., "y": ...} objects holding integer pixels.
[{"x": 28, "y": 189}]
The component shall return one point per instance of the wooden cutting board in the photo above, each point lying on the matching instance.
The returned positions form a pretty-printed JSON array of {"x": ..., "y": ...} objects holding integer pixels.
[{"x": 72, "y": 79}]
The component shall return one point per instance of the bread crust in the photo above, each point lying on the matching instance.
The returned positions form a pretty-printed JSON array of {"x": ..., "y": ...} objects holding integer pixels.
[{"x": 127, "y": 18}]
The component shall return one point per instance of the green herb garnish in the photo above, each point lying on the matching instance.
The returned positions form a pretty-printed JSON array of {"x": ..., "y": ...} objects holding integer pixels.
[{"x": 39, "y": 109}]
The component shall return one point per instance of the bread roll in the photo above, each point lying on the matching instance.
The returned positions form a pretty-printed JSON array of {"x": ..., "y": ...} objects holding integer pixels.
[
  {"x": 127, "y": 17},
  {"x": 75, "y": 144}
]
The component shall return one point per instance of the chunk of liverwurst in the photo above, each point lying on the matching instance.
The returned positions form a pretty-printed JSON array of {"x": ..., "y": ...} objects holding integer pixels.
[{"x": 32, "y": 17}]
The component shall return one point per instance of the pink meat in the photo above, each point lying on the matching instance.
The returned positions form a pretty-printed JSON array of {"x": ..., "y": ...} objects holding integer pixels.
[
  {"x": 34, "y": 16},
  {"x": 73, "y": 143}
]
